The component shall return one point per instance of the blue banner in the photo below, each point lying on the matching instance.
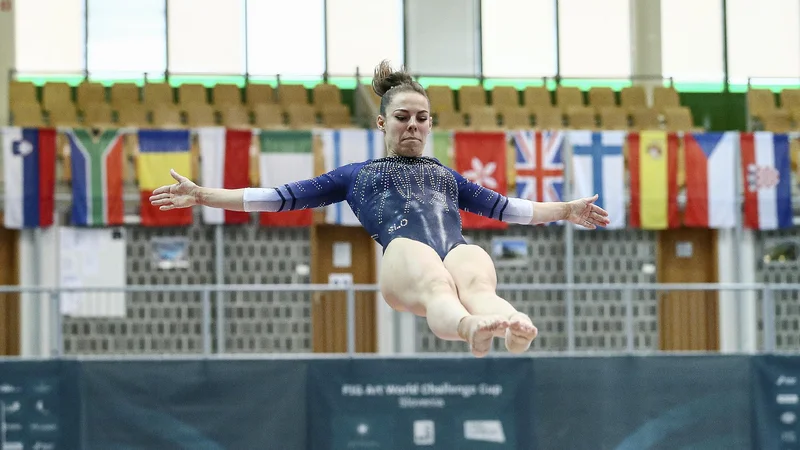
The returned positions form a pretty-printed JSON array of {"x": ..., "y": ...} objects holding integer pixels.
[
  {"x": 643, "y": 403},
  {"x": 429, "y": 403},
  {"x": 205, "y": 404},
  {"x": 38, "y": 405},
  {"x": 615, "y": 403},
  {"x": 776, "y": 400}
]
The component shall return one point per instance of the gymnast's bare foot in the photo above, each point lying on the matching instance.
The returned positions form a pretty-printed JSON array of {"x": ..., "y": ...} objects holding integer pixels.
[
  {"x": 479, "y": 331},
  {"x": 520, "y": 333}
]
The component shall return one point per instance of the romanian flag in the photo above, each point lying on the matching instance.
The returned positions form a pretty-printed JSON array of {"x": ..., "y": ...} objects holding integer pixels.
[
  {"x": 97, "y": 177},
  {"x": 653, "y": 165},
  {"x": 481, "y": 158},
  {"x": 29, "y": 166},
  {"x": 224, "y": 163},
  {"x": 159, "y": 151}
]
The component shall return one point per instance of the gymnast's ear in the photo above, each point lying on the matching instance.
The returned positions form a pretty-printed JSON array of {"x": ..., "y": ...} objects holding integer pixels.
[{"x": 381, "y": 123}]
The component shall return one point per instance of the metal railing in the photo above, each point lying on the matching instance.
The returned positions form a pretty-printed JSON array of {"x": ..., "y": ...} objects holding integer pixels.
[{"x": 766, "y": 291}]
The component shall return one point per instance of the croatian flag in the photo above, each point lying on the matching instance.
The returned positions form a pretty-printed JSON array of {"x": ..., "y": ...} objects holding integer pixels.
[
  {"x": 598, "y": 168},
  {"x": 767, "y": 180},
  {"x": 710, "y": 180},
  {"x": 29, "y": 161}
]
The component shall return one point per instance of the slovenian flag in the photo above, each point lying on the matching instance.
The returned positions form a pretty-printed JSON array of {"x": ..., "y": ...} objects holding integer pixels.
[
  {"x": 710, "y": 180},
  {"x": 343, "y": 147},
  {"x": 767, "y": 186},
  {"x": 29, "y": 161},
  {"x": 224, "y": 163},
  {"x": 97, "y": 177}
]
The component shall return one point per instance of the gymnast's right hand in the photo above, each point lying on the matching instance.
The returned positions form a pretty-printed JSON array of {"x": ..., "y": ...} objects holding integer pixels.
[{"x": 182, "y": 194}]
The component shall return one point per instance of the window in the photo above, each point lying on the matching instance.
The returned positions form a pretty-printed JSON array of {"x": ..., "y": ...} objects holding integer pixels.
[
  {"x": 206, "y": 37},
  {"x": 361, "y": 33},
  {"x": 288, "y": 40},
  {"x": 519, "y": 38},
  {"x": 126, "y": 38},
  {"x": 442, "y": 38},
  {"x": 763, "y": 39},
  {"x": 61, "y": 49},
  {"x": 691, "y": 40},
  {"x": 595, "y": 38}
]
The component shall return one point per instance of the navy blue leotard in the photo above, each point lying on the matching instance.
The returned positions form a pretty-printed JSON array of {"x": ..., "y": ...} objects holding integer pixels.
[{"x": 411, "y": 197}]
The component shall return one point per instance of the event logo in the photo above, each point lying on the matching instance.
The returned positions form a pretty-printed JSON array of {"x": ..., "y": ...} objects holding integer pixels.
[
  {"x": 424, "y": 432},
  {"x": 484, "y": 430}
]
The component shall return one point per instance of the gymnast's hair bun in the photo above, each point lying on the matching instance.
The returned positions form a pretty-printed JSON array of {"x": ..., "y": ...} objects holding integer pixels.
[{"x": 386, "y": 78}]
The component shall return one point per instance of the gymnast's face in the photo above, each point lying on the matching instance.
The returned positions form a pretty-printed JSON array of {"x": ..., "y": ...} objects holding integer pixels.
[{"x": 406, "y": 125}]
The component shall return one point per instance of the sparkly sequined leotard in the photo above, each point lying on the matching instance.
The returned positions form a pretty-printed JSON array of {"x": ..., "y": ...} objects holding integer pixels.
[{"x": 412, "y": 197}]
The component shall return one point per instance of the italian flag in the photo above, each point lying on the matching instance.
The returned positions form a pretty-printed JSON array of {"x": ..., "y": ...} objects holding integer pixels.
[{"x": 286, "y": 156}]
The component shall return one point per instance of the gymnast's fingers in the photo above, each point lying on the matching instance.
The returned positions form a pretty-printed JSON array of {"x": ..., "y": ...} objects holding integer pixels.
[
  {"x": 162, "y": 201},
  {"x": 162, "y": 189},
  {"x": 601, "y": 218},
  {"x": 599, "y": 210},
  {"x": 159, "y": 196}
]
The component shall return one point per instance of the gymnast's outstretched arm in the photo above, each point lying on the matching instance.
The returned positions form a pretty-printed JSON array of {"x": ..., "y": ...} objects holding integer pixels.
[
  {"x": 486, "y": 202},
  {"x": 316, "y": 192}
]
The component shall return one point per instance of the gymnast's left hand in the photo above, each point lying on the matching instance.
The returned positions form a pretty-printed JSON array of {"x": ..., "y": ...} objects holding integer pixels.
[{"x": 585, "y": 213}]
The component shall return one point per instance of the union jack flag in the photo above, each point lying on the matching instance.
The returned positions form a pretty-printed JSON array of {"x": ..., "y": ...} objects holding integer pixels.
[{"x": 539, "y": 165}]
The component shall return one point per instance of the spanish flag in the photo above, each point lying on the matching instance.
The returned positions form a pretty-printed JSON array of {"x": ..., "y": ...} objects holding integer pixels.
[
  {"x": 159, "y": 151},
  {"x": 653, "y": 166}
]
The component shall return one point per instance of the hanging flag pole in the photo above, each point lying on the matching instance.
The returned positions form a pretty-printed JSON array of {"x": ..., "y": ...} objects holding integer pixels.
[{"x": 569, "y": 254}]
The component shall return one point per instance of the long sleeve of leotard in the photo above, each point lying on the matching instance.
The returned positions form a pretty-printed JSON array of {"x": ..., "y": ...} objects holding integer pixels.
[
  {"x": 477, "y": 199},
  {"x": 326, "y": 189}
]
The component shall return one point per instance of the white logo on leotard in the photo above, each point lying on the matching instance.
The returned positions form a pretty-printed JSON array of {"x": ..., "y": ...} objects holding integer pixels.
[{"x": 394, "y": 228}]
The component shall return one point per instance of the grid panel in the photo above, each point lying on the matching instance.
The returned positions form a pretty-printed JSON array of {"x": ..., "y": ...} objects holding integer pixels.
[
  {"x": 610, "y": 256},
  {"x": 267, "y": 321},
  {"x": 159, "y": 322},
  {"x": 770, "y": 269},
  {"x": 155, "y": 322}
]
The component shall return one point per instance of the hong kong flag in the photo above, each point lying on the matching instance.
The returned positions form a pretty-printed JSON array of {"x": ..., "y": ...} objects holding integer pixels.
[{"x": 481, "y": 158}]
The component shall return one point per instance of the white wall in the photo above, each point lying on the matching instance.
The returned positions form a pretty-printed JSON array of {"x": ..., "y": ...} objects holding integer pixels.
[
  {"x": 442, "y": 37},
  {"x": 6, "y": 59}
]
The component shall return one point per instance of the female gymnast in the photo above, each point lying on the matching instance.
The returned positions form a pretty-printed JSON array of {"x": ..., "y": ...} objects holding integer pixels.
[{"x": 410, "y": 205}]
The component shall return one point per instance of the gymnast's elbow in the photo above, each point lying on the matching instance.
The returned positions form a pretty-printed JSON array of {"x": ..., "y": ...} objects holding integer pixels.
[
  {"x": 518, "y": 211},
  {"x": 263, "y": 200}
]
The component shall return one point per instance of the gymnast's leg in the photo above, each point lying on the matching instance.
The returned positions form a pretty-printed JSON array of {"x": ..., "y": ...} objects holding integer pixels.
[
  {"x": 414, "y": 279},
  {"x": 476, "y": 280}
]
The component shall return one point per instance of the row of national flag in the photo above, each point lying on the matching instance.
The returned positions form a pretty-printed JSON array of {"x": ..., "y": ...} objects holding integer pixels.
[{"x": 645, "y": 166}]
